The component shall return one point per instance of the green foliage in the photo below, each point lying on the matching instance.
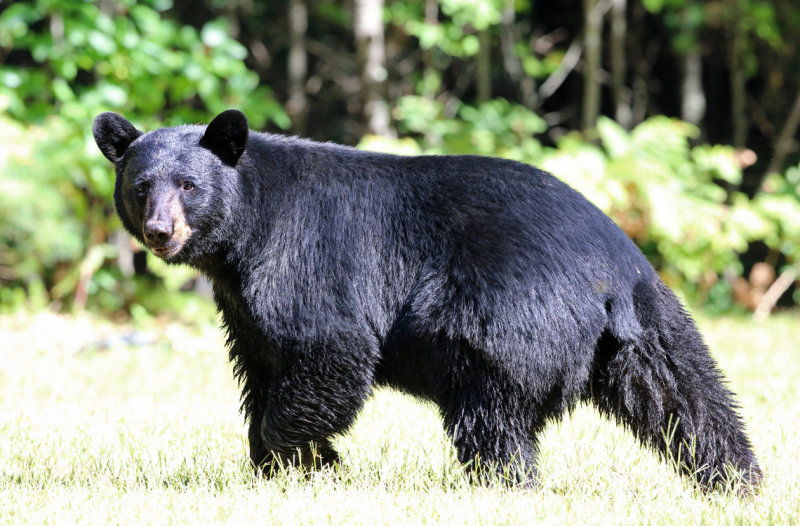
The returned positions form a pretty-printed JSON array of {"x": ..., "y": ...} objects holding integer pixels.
[
  {"x": 126, "y": 56},
  {"x": 666, "y": 195},
  {"x": 685, "y": 18},
  {"x": 669, "y": 196},
  {"x": 56, "y": 212},
  {"x": 39, "y": 228},
  {"x": 780, "y": 203},
  {"x": 454, "y": 35},
  {"x": 496, "y": 127}
]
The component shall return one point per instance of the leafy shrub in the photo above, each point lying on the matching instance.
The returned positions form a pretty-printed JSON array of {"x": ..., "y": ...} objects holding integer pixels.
[
  {"x": 75, "y": 60},
  {"x": 669, "y": 196}
]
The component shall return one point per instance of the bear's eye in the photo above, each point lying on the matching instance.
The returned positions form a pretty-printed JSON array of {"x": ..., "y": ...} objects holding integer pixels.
[
  {"x": 141, "y": 188},
  {"x": 186, "y": 186}
]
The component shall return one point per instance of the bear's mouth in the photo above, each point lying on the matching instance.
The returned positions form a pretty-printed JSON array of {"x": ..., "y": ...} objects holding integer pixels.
[{"x": 170, "y": 249}]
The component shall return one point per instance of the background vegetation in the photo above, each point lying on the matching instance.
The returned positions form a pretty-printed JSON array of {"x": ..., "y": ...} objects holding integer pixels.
[{"x": 679, "y": 118}]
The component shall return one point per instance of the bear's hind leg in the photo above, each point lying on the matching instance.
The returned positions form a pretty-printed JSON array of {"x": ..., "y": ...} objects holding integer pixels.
[
  {"x": 489, "y": 418},
  {"x": 491, "y": 443}
]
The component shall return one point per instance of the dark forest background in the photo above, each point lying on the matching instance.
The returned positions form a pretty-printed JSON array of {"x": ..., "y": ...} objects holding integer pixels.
[{"x": 679, "y": 118}]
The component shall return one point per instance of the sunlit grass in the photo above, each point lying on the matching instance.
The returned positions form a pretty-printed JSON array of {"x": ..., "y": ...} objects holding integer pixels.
[{"x": 152, "y": 434}]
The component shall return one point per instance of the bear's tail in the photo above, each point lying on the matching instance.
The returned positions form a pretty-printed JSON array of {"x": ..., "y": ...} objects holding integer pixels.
[{"x": 658, "y": 378}]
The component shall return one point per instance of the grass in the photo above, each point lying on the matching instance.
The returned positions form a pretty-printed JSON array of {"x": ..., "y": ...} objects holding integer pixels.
[{"x": 152, "y": 434}]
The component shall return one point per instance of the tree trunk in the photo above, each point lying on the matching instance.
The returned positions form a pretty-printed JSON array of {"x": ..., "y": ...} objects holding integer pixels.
[
  {"x": 785, "y": 143},
  {"x": 774, "y": 293},
  {"x": 297, "y": 70},
  {"x": 736, "y": 48},
  {"x": 508, "y": 37},
  {"x": 642, "y": 58},
  {"x": 372, "y": 60},
  {"x": 593, "y": 31},
  {"x": 619, "y": 30},
  {"x": 430, "y": 82},
  {"x": 693, "y": 103},
  {"x": 484, "y": 65},
  {"x": 568, "y": 63}
]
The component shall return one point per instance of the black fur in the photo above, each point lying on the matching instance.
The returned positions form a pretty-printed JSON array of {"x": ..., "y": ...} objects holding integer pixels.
[
  {"x": 226, "y": 136},
  {"x": 485, "y": 285},
  {"x": 117, "y": 134}
]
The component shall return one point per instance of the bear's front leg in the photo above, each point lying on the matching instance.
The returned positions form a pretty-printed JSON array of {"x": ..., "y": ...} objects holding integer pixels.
[
  {"x": 316, "y": 393},
  {"x": 259, "y": 455},
  {"x": 266, "y": 459}
]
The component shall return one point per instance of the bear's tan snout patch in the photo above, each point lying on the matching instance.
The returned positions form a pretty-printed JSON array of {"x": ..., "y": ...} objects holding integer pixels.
[{"x": 181, "y": 231}]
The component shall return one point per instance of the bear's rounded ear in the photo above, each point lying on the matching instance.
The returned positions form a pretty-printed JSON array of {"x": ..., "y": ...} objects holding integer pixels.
[
  {"x": 113, "y": 134},
  {"x": 226, "y": 136}
]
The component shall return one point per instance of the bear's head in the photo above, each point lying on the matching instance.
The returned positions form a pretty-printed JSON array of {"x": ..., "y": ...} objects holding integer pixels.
[{"x": 173, "y": 184}]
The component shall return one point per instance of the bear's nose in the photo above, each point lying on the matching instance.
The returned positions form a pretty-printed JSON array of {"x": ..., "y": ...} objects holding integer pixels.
[{"x": 157, "y": 232}]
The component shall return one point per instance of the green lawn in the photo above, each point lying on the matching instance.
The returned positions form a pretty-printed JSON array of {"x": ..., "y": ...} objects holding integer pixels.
[{"x": 152, "y": 434}]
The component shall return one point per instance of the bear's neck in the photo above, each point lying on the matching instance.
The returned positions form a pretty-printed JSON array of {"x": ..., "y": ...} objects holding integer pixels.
[{"x": 273, "y": 173}]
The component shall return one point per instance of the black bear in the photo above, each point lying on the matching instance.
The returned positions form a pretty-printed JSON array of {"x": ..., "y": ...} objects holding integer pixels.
[{"x": 485, "y": 285}]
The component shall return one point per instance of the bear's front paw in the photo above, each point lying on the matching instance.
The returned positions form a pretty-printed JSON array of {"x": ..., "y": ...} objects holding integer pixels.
[{"x": 313, "y": 457}]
